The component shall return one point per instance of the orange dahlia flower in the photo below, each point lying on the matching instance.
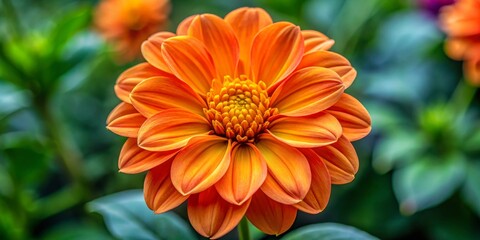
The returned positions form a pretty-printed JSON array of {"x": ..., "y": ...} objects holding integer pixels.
[
  {"x": 127, "y": 23},
  {"x": 239, "y": 116},
  {"x": 461, "y": 22}
]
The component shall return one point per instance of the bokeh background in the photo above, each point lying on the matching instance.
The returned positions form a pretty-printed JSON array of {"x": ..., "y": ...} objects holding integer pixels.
[{"x": 419, "y": 174}]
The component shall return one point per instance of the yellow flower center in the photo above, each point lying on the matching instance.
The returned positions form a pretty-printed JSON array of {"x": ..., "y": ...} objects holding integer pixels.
[{"x": 240, "y": 109}]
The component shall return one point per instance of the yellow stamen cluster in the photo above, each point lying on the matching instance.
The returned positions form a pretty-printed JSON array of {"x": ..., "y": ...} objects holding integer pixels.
[{"x": 240, "y": 109}]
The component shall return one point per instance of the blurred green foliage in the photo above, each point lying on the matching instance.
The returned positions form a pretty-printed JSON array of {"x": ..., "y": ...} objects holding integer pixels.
[{"x": 419, "y": 172}]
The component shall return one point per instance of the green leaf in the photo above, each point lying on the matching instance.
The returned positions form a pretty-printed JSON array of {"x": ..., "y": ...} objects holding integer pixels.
[
  {"x": 68, "y": 25},
  {"x": 428, "y": 181},
  {"x": 76, "y": 232},
  {"x": 471, "y": 189},
  {"x": 26, "y": 157},
  {"x": 255, "y": 233},
  {"x": 11, "y": 226},
  {"x": 128, "y": 217},
  {"x": 11, "y": 100},
  {"x": 386, "y": 118},
  {"x": 473, "y": 142},
  {"x": 325, "y": 231},
  {"x": 397, "y": 149}
]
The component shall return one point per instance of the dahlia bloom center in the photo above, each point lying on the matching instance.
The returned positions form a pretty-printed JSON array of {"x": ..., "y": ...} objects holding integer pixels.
[{"x": 240, "y": 109}]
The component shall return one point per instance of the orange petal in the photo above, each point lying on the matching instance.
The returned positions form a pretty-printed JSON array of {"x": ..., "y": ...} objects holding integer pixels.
[
  {"x": 341, "y": 160},
  {"x": 211, "y": 216},
  {"x": 308, "y": 91},
  {"x": 461, "y": 19},
  {"x": 201, "y": 164},
  {"x": 125, "y": 120},
  {"x": 160, "y": 93},
  {"x": 306, "y": 132},
  {"x": 132, "y": 76},
  {"x": 317, "y": 198},
  {"x": 134, "y": 159},
  {"x": 245, "y": 175},
  {"x": 276, "y": 51},
  {"x": 160, "y": 194},
  {"x": 269, "y": 216},
  {"x": 353, "y": 117},
  {"x": 316, "y": 41},
  {"x": 246, "y": 23},
  {"x": 332, "y": 61},
  {"x": 171, "y": 129},
  {"x": 190, "y": 61},
  {"x": 182, "y": 28},
  {"x": 152, "y": 47},
  {"x": 289, "y": 177},
  {"x": 220, "y": 41},
  {"x": 472, "y": 69},
  {"x": 457, "y": 48}
]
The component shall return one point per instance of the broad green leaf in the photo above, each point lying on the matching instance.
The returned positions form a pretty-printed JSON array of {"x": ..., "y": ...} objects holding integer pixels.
[
  {"x": 428, "y": 181},
  {"x": 128, "y": 217},
  {"x": 328, "y": 231},
  {"x": 472, "y": 186}
]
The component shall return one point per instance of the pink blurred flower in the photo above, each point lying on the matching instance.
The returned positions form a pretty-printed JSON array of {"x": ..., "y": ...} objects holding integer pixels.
[{"x": 433, "y": 6}]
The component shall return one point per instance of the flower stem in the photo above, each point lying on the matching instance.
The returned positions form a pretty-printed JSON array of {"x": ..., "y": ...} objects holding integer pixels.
[
  {"x": 243, "y": 230},
  {"x": 68, "y": 155}
]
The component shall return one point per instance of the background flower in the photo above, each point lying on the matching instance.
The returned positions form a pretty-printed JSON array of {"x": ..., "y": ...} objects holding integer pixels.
[
  {"x": 127, "y": 23},
  {"x": 461, "y": 22},
  {"x": 433, "y": 6}
]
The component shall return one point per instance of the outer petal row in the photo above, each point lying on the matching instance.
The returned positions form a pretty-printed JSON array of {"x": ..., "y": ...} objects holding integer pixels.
[
  {"x": 219, "y": 38},
  {"x": 353, "y": 117},
  {"x": 244, "y": 176},
  {"x": 270, "y": 216},
  {"x": 189, "y": 60},
  {"x": 202, "y": 163},
  {"x": 316, "y": 41},
  {"x": 306, "y": 132},
  {"x": 152, "y": 47},
  {"x": 160, "y": 195},
  {"x": 161, "y": 93},
  {"x": 289, "y": 177},
  {"x": 125, "y": 120},
  {"x": 132, "y": 76},
  {"x": 276, "y": 52},
  {"x": 332, "y": 61},
  {"x": 341, "y": 160},
  {"x": 171, "y": 129},
  {"x": 246, "y": 23},
  {"x": 134, "y": 159},
  {"x": 308, "y": 91},
  {"x": 212, "y": 216},
  {"x": 317, "y": 197}
]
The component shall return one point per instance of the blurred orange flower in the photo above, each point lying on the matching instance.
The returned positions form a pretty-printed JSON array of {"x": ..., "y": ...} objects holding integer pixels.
[
  {"x": 127, "y": 23},
  {"x": 461, "y": 22},
  {"x": 241, "y": 116}
]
